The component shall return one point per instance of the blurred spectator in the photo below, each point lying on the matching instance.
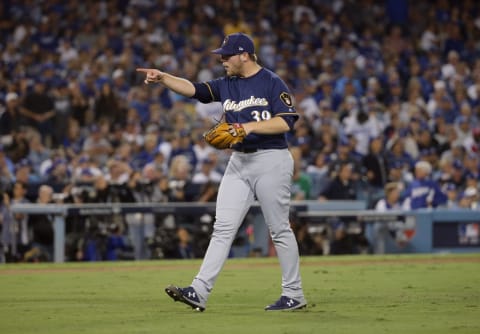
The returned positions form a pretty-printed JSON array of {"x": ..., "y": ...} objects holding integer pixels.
[
  {"x": 79, "y": 104},
  {"x": 207, "y": 172},
  {"x": 345, "y": 154},
  {"x": 209, "y": 111},
  {"x": 38, "y": 153},
  {"x": 146, "y": 153},
  {"x": 158, "y": 164},
  {"x": 23, "y": 174},
  {"x": 457, "y": 173},
  {"x": 399, "y": 231},
  {"x": 106, "y": 192},
  {"x": 97, "y": 146},
  {"x": 423, "y": 192},
  {"x": 318, "y": 172},
  {"x": 7, "y": 170},
  {"x": 375, "y": 165},
  {"x": 38, "y": 108},
  {"x": 348, "y": 234},
  {"x": 200, "y": 147},
  {"x": 309, "y": 242},
  {"x": 469, "y": 198},
  {"x": 396, "y": 153},
  {"x": 11, "y": 120},
  {"x": 107, "y": 105},
  {"x": 117, "y": 248},
  {"x": 42, "y": 230},
  {"x": 140, "y": 102},
  {"x": 342, "y": 186},
  {"x": 58, "y": 175},
  {"x": 428, "y": 146},
  {"x": 63, "y": 110},
  {"x": 347, "y": 77},
  {"x": 451, "y": 191},
  {"x": 161, "y": 190},
  {"x": 472, "y": 142},
  {"x": 141, "y": 226},
  {"x": 179, "y": 180},
  {"x": 8, "y": 237},
  {"x": 182, "y": 145},
  {"x": 184, "y": 247},
  {"x": 85, "y": 171},
  {"x": 23, "y": 230},
  {"x": 362, "y": 126},
  {"x": 73, "y": 140},
  {"x": 120, "y": 86}
]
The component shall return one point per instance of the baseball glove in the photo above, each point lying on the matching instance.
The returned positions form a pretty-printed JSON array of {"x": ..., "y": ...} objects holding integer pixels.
[{"x": 225, "y": 135}]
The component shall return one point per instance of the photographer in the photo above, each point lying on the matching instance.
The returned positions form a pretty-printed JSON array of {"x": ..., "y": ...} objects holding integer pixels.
[
  {"x": 8, "y": 245},
  {"x": 207, "y": 179},
  {"x": 85, "y": 170},
  {"x": 105, "y": 189},
  {"x": 42, "y": 227},
  {"x": 7, "y": 169},
  {"x": 181, "y": 188},
  {"x": 141, "y": 226},
  {"x": 77, "y": 226},
  {"x": 20, "y": 220}
]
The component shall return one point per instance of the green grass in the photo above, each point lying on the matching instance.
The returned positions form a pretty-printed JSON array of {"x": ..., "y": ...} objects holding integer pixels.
[{"x": 388, "y": 294}]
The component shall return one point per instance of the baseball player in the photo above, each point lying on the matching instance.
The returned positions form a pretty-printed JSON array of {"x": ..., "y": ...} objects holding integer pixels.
[{"x": 260, "y": 167}]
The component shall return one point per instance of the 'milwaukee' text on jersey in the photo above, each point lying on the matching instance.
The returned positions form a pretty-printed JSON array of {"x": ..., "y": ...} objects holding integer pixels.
[{"x": 256, "y": 98}]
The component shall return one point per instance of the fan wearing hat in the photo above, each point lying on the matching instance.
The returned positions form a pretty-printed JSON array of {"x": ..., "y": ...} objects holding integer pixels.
[
  {"x": 423, "y": 192},
  {"x": 10, "y": 120},
  {"x": 451, "y": 190},
  {"x": 469, "y": 198}
]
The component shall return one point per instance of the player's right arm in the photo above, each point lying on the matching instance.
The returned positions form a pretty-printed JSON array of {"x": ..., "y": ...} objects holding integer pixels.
[{"x": 178, "y": 85}]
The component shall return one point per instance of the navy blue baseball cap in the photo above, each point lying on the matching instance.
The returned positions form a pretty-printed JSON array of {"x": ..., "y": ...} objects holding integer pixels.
[{"x": 236, "y": 43}]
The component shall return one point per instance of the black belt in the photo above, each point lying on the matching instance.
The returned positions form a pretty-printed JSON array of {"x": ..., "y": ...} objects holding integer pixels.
[{"x": 247, "y": 150}]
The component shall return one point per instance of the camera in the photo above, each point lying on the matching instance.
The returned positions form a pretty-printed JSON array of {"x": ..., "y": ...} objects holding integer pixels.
[
  {"x": 176, "y": 184},
  {"x": 84, "y": 192},
  {"x": 144, "y": 186},
  {"x": 58, "y": 197}
]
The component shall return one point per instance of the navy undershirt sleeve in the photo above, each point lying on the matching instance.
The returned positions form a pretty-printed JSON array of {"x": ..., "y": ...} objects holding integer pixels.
[
  {"x": 203, "y": 93},
  {"x": 290, "y": 119}
]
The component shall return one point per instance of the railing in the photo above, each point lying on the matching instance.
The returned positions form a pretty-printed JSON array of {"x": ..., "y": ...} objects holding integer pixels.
[{"x": 430, "y": 235}]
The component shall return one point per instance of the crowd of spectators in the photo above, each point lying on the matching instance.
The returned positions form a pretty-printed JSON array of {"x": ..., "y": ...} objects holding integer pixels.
[{"x": 380, "y": 85}]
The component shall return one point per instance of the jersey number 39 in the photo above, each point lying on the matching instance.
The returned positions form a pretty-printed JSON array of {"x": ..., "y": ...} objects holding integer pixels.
[{"x": 261, "y": 115}]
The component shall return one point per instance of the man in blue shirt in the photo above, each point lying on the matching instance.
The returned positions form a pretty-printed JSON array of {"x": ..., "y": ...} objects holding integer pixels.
[{"x": 423, "y": 192}]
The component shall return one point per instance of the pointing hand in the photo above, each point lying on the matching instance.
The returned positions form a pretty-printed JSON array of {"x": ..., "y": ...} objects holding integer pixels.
[{"x": 151, "y": 75}]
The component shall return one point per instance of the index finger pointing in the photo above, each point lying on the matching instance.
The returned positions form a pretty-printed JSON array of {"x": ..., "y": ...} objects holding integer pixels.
[{"x": 144, "y": 70}]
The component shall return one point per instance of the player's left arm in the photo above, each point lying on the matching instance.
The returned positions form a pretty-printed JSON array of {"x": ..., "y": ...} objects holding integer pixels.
[
  {"x": 283, "y": 111},
  {"x": 272, "y": 126}
]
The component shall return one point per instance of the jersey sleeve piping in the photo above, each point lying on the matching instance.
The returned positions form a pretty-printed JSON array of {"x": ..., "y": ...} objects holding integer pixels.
[
  {"x": 210, "y": 90},
  {"x": 294, "y": 114},
  {"x": 203, "y": 92}
]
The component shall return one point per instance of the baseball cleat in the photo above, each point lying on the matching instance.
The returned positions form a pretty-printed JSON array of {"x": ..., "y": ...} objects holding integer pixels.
[
  {"x": 285, "y": 304},
  {"x": 185, "y": 295}
]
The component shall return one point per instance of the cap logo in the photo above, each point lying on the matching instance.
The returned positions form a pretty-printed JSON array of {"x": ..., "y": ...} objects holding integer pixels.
[{"x": 225, "y": 40}]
